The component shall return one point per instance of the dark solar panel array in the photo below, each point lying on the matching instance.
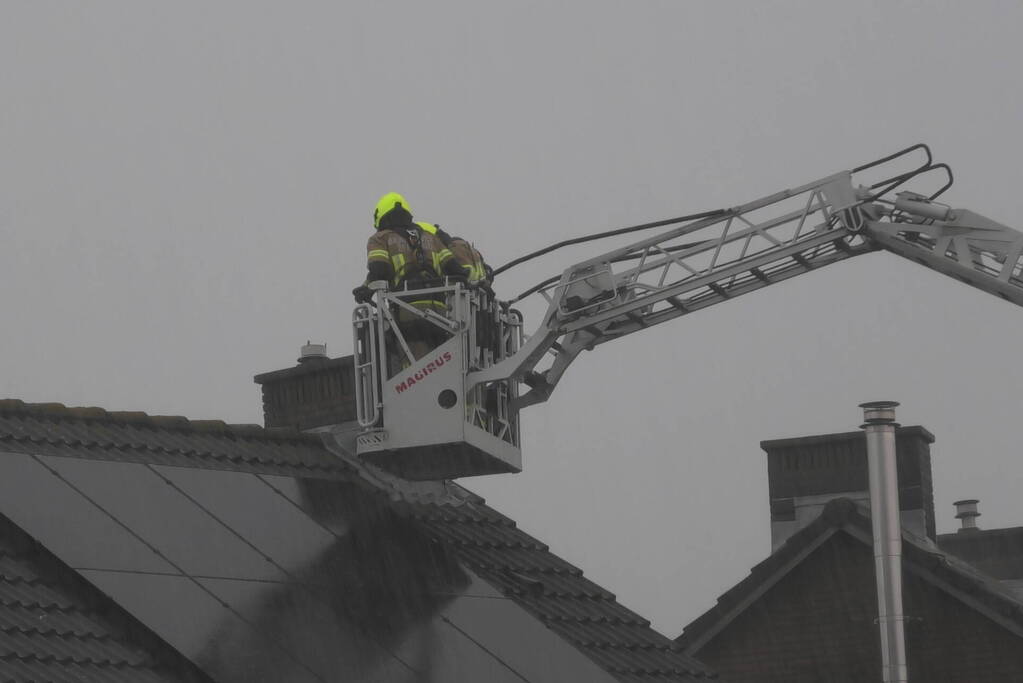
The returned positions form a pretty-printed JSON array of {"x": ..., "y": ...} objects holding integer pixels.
[
  {"x": 247, "y": 574},
  {"x": 256, "y": 559}
]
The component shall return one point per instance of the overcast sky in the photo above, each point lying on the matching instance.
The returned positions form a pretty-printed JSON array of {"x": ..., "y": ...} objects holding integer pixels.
[{"x": 186, "y": 190}]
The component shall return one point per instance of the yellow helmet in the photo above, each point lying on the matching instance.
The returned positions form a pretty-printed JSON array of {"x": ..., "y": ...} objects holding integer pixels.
[{"x": 386, "y": 204}]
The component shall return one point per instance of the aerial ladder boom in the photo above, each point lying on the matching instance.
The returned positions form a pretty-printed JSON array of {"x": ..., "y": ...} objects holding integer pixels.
[
  {"x": 957, "y": 242},
  {"x": 754, "y": 245},
  {"x": 455, "y": 411}
]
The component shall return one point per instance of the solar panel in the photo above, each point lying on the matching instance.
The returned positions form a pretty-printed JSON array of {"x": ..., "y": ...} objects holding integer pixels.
[
  {"x": 74, "y": 529},
  {"x": 260, "y": 577}
]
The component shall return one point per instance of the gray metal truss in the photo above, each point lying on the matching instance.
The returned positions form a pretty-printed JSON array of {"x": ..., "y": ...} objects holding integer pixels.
[
  {"x": 752, "y": 246},
  {"x": 965, "y": 245}
]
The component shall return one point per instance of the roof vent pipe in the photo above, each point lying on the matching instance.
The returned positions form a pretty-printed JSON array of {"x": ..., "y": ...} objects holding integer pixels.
[
  {"x": 879, "y": 419},
  {"x": 966, "y": 510},
  {"x": 312, "y": 352}
]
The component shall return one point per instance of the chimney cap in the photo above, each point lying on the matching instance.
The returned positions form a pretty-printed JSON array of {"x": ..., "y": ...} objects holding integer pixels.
[
  {"x": 966, "y": 510},
  {"x": 311, "y": 352},
  {"x": 879, "y": 412}
]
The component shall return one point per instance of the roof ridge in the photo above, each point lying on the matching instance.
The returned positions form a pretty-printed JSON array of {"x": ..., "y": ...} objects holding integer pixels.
[{"x": 59, "y": 411}]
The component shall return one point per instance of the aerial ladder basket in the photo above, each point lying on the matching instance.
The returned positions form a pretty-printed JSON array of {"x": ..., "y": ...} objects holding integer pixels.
[{"x": 419, "y": 419}]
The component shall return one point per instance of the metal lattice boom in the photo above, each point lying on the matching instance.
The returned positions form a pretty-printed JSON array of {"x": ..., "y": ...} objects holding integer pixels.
[{"x": 749, "y": 247}]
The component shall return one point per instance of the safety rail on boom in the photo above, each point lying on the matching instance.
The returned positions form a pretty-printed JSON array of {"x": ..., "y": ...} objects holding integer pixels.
[{"x": 419, "y": 419}]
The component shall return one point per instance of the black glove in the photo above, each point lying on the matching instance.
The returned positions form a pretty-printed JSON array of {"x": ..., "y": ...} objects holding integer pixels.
[{"x": 362, "y": 294}]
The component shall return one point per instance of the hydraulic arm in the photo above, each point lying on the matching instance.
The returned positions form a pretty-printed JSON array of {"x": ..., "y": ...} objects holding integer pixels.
[{"x": 748, "y": 247}]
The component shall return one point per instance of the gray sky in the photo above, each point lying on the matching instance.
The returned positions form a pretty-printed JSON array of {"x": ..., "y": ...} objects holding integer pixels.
[{"x": 186, "y": 189}]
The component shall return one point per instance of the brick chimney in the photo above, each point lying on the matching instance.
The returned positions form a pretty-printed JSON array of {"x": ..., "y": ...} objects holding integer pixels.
[
  {"x": 317, "y": 392},
  {"x": 807, "y": 472}
]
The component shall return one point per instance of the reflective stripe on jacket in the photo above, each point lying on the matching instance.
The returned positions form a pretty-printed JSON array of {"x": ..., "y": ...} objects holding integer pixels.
[
  {"x": 470, "y": 259},
  {"x": 412, "y": 257}
]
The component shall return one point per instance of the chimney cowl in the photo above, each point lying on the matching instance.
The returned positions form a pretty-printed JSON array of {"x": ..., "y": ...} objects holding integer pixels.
[
  {"x": 966, "y": 510},
  {"x": 879, "y": 412},
  {"x": 312, "y": 352}
]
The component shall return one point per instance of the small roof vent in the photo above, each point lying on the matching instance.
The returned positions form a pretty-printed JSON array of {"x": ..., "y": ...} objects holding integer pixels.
[
  {"x": 966, "y": 510},
  {"x": 312, "y": 352}
]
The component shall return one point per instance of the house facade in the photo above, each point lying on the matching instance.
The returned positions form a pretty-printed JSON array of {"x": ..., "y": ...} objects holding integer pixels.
[{"x": 807, "y": 612}]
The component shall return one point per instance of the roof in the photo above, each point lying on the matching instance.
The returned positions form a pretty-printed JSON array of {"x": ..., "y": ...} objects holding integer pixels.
[
  {"x": 53, "y": 429},
  {"x": 841, "y": 515},
  {"x": 996, "y": 552},
  {"x": 829, "y": 439},
  {"x": 56, "y": 626},
  {"x": 557, "y": 593},
  {"x": 486, "y": 542}
]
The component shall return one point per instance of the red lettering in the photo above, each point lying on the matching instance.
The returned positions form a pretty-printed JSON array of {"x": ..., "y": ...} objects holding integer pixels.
[{"x": 428, "y": 369}]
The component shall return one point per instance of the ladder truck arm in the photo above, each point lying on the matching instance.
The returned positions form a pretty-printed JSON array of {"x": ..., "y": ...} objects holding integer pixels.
[
  {"x": 959, "y": 243},
  {"x": 748, "y": 247},
  {"x": 453, "y": 411}
]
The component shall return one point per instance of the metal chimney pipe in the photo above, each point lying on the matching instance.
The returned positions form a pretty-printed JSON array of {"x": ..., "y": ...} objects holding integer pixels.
[{"x": 879, "y": 419}]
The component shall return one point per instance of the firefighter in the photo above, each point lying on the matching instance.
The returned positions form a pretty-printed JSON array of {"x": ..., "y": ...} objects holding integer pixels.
[
  {"x": 404, "y": 255},
  {"x": 480, "y": 275},
  {"x": 468, "y": 256},
  {"x": 475, "y": 269}
]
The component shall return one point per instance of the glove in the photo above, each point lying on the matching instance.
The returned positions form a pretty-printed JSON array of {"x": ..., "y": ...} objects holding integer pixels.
[{"x": 362, "y": 294}]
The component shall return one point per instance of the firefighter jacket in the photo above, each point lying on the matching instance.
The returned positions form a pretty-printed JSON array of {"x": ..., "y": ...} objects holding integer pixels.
[
  {"x": 406, "y": 256},
  {"x": 470, "y": 259},
  {"x": 466, "y": 255}
]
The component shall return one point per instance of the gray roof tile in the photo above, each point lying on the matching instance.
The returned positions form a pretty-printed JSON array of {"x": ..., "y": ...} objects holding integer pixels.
[
  {"x": 84, "y": 650},
  {"x": 32, "y": 595},
  {"x": 556, "y": 592},
  {"x": 57, "y": 622},
  {"x": 52, "y": 429},
  {"x": 13, "y": 670}
]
